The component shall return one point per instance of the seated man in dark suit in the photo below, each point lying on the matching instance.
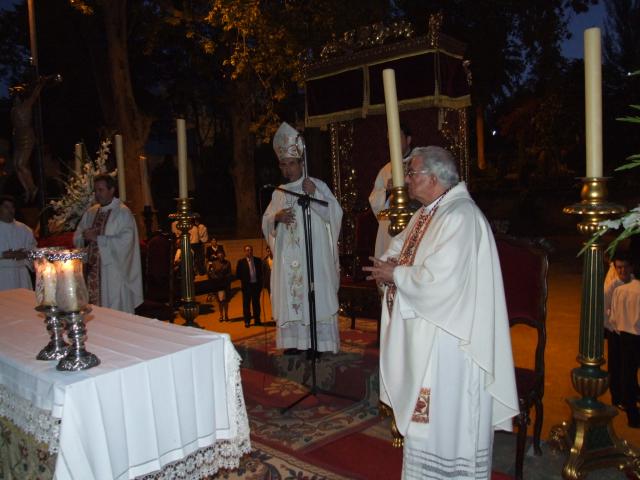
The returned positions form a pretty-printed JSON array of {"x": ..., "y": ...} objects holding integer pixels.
[
  {"x": 249, "y": 271},
  {"x": 213, "y": 249}
]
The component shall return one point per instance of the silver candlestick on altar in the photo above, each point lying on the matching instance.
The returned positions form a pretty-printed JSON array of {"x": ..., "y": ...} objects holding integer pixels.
[
  {"x": 72, "y": 298},
  {"x": 46, "y": 303},
  {"x": 57, "y": 348},
  {"x": 77, "y": 358}
]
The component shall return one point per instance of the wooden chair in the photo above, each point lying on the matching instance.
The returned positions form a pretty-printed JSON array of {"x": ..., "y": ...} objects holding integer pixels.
[
  {"x": 157, "y": 278},
  {"x": 358, "y": 296},
  {"x": 524, "y": 272}
]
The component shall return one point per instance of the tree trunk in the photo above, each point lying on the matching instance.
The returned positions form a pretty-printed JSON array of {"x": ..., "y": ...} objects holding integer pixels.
[
  {"x": 482, "y": 161},
  {"x": 243, "y": 166},
  {"x": 128, "y": 120}
]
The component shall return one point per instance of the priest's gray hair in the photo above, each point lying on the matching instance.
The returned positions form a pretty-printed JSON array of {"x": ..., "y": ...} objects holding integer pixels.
[{"x": 438, "y": 162}]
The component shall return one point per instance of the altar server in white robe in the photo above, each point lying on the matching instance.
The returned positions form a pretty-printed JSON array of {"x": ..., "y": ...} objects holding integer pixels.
[
  {"x": 283, "y": 228},
  {"x": 113, "y": 270},
  {"x": 379, "y": 196},
  {"x": 446, "y": 367},
  {"x": 16, "y": 239}
]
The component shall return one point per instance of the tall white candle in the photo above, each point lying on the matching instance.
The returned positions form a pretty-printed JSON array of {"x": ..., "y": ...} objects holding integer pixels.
[
  {"x": 49, "y": 283},
  {"x": 593, "y": 101},
  {"x": 144, "y": 177},
  {"x": 393, "y": 126},
  {"x": 182, "y": 158},
  {"x": 78, "y": 159},
  {"x": 122, "y": 188},
  {"x": 67, "y": 287}
]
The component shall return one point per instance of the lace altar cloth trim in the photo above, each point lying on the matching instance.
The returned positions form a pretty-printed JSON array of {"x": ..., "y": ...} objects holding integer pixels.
[
  {"x": 203, "y": 462},
  {"x": 222, "y": 454},
  {"x": 30, "y": 419}
]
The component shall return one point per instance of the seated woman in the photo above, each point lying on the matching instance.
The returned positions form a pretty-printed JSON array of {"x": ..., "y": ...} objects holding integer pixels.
[{"x": 219, "y": 272}]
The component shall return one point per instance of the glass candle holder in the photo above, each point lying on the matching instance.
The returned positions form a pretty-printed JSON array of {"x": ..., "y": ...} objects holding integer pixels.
[
  {"x": 71, "y": 290},
  {"x": 46, "y": 278}
]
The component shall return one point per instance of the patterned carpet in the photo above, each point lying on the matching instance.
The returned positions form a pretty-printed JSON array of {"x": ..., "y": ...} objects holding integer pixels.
[
  {"x": 269, "y": 463},
  {"x": 325, "y": 436},
  {"x": 273, "y": 381}
]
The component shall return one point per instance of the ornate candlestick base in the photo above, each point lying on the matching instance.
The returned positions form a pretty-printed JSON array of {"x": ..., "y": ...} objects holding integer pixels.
[
  {"x": 384, "y": 411},
  {"x": 78, "y": 358},
  {"x": 57, "y": 347},
  {"x": 589, "y": 434},
  {"x": 189, "y": 308},
  {"x": 399, "y": 212}
]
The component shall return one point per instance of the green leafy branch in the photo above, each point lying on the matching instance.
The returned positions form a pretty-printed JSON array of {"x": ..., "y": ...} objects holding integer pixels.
[{"x": 630, "y": 221}]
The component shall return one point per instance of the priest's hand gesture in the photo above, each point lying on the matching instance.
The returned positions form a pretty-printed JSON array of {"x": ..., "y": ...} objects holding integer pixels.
[
  {"x": 285, "y": 216},
  {"x": 381, "y": 271},
  {"x": 308, "y": 186}
]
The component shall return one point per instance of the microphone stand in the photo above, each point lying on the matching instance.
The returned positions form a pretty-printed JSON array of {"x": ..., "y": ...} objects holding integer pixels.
[{"x": 304, "y": 200}]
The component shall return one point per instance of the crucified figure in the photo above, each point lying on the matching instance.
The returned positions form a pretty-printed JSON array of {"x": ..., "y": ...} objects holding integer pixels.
[{"x": 24, "y": 137}]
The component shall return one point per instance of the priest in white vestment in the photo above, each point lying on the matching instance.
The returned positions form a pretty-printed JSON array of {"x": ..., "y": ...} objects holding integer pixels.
[
  {"x": 446, "y": 367},
  {"x": 16, "y": 239},
  {"x": 283, "y": 228},
  {"x": 379, "y": 196},
  {"x": 108, "y": 230}
]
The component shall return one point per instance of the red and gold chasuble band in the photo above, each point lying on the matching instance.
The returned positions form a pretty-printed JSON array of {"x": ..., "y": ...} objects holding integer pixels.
[
  {"x": 411, "y": 244},
  {"x": 92, "y": 267}
]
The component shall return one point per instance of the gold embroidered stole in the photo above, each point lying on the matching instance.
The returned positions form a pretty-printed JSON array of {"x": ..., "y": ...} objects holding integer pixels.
[{"x": 92, "y": 267}]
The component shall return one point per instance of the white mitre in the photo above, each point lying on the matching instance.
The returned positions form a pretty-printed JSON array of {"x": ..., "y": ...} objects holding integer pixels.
[{"x": 287, "y": 142}]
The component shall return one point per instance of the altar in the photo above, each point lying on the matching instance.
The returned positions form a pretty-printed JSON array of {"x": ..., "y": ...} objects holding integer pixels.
[{"x": 166, "y": 400}]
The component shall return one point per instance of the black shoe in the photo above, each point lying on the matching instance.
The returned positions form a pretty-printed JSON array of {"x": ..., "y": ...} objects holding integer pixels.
[
  {"x": 247, "y": 324},
  {"x": 291, "y": 351}
]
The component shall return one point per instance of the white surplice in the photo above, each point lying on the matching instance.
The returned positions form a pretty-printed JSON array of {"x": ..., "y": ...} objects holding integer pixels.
[
  {"x": 120, "y": 266},
  {"x": 453, "y": 295},
  {"x": 289, "y": 286},
  {"x": 15, "y": 273},
  {"x": 625, "y": 308}
]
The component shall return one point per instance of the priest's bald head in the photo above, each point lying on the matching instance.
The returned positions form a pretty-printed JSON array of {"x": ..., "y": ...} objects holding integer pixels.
[{"x": 432, "y": 171}]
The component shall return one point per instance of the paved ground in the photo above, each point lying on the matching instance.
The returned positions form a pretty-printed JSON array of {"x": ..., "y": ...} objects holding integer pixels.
[{"x": 562, "y": 346}]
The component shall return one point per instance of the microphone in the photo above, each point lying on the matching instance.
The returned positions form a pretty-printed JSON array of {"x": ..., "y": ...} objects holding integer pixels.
[{"x": 267, "y": 185}]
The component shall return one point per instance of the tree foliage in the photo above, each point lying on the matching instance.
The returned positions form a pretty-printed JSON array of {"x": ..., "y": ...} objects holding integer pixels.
[{"x": 621, "y": 58}]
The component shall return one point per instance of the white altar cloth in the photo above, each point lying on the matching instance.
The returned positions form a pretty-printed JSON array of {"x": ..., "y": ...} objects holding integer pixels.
[{"x": 162, "y": 394}]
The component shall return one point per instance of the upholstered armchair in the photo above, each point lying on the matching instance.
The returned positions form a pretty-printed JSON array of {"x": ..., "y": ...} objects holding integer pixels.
[{"x": 524, "y": 272}]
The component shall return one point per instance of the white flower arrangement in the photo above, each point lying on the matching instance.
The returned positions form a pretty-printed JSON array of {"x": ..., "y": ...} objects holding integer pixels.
[
  {"x": 630, "y": 221},
  {"x": 79, "y": 193},
  {"x": 630, "y": 224}
]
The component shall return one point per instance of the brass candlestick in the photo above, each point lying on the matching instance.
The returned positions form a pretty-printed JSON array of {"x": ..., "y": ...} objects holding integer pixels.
[
  {"x": 589, "y": 434},
  {"x": 189, "y": 308},
  {"x": 399, "y": 212}
]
